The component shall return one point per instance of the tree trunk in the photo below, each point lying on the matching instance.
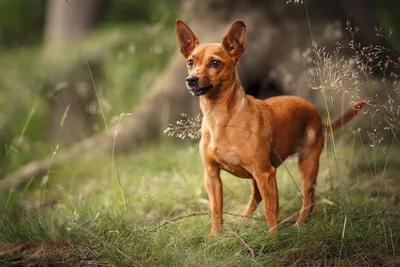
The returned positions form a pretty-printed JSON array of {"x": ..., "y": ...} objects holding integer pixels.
[
  {"x": 68, "y": 21},
  {"x": 278, "y": 33},
  {"x": 70, "y": 119}
]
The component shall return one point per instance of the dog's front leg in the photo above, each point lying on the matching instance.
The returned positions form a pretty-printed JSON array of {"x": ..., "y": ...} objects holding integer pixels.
[
  {"x": 255, "y": 198},
  {"x": 266, "y": 182},
  {"x": 213, "y": 185}
]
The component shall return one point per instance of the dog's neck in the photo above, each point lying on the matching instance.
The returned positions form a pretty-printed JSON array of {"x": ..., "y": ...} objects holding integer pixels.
[{"x": 225, "y": 101}]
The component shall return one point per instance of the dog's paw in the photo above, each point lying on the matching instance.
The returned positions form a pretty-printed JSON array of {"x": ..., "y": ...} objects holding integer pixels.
[
  {"x": 297, "y": 225},
  {"x": 212, "y": 234}
]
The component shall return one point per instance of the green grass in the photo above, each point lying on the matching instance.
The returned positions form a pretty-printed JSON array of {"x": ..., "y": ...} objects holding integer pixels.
[{"x": 78, "y": 217}]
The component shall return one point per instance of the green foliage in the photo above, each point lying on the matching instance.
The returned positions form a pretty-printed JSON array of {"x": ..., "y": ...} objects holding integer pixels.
[
  {"x": 121, "y": 11},
  {"x": 138, "y": 59},
  {"x": 387, "y": 13},
  {"x": 21, "y": 22}
]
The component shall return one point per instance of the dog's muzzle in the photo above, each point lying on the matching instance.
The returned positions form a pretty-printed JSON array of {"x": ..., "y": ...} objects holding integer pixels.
[
  {"x": 199, "y": 91},
  {"x": 193, "y": 87}
]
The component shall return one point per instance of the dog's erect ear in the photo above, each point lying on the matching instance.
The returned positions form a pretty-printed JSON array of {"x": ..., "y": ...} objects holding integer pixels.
[
  {"x": 186, "y": 38},
  {"x": 233, "y": 40}
]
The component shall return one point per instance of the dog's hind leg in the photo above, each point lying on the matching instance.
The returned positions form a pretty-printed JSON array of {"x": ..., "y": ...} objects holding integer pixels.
[
  {"x": 308, "y": 167},
  {"x": 254, "y": 200}
]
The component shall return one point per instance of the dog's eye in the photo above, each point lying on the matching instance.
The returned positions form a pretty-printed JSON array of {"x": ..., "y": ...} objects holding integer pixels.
[
  {"x": 190, "y": 63},
  {"x": 215, "y": 63}
]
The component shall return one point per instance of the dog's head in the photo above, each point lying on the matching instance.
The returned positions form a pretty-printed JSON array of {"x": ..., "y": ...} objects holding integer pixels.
[{"x": 211, "y": 66}]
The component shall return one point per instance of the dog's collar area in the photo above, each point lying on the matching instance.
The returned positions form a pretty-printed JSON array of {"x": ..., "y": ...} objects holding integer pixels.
[{"x": 200, "y": 91}]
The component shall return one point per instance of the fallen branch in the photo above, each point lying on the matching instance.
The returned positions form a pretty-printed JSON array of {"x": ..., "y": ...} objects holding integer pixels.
[{"x": 40, "y": 168}]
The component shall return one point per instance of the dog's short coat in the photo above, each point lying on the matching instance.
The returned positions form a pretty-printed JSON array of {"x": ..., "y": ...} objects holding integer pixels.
[{"x": 248, "y": 137}]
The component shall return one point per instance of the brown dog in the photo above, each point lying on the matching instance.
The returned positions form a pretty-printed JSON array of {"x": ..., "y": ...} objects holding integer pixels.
[{"x": 247, "y": 137}]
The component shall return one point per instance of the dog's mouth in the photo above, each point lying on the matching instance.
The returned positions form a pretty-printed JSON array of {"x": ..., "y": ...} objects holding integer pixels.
[{"x": 200, "y": 91}]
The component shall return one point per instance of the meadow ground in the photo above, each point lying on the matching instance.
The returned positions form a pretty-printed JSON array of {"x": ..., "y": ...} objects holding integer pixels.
[{"x": 155, "y": 212}]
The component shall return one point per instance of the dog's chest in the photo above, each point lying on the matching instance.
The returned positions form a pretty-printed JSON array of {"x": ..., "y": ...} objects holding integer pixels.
[
  {"x": 228, "y": 157},
  {"x": 225, "y": 155},
  {"x": 223, "y": 144},
  {"x": 222, "y": 147}
]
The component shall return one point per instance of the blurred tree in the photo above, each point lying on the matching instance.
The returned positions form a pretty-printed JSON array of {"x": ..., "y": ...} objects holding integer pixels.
[
  {"x": 69, "y": 20},
  {"x": 278, "y": 33},
  {"x": 69, "y": 118}
]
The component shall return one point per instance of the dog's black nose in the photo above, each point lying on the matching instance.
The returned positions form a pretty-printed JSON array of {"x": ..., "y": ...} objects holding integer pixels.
[{"x": 192, "y": 80}]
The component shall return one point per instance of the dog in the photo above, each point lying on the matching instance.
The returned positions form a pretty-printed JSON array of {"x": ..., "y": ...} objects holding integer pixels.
[{"x": 248, "y": 137}]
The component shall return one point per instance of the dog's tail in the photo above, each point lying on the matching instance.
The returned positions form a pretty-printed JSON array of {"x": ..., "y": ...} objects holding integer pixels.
[{"x": 347, "y": 116}]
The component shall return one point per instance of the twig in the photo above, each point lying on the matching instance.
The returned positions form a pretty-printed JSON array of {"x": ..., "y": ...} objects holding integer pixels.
[{"x": 243, "y": 242}]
